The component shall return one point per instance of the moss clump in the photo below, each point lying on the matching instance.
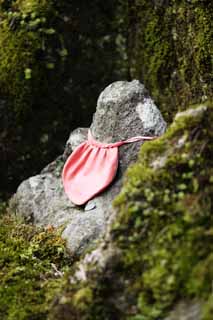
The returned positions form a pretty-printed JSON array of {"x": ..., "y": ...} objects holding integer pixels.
[
  {"x": 163, "y": 231},
  {"x": 32, "y": 262},
  {"x": 166, "y": 202},
  {"x": 170, "y": 45}
]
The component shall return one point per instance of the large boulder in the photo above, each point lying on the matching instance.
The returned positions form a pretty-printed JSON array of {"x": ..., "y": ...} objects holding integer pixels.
[{"x": 124, "y": 110}]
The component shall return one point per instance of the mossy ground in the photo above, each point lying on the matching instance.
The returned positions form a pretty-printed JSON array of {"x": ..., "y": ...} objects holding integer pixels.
[
  {"x": 32, "y": 266},
  {"x": 163, "y": 231}
]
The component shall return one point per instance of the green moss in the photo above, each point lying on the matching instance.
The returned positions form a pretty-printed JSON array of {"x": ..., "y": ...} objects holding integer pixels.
[
  {"x": 26, "y": 34},
  {"x": 171, "y": 51},
  {"x": 32, "y": 261},
  {"x": 82, "y": 297},
  {"x": 167, "y": 214},
  {"x": 208, "y": 309}
]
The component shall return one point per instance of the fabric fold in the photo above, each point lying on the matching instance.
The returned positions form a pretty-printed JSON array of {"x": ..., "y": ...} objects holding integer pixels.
[{"x": 91, "y": 167}]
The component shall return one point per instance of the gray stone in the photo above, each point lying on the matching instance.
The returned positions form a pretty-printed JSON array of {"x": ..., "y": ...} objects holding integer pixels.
[
  {"x": 124, "y": 110},
  {"x": 186, "y": 310}
]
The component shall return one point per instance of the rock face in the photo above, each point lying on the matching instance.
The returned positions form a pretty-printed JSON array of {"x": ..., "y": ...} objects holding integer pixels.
[{"x": 124, "y": 110}]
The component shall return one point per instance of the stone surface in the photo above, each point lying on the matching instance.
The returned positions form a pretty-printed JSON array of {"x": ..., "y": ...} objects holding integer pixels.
[
  {"x": 186, "y": 310},
  {"x": 124, "y": 110}
]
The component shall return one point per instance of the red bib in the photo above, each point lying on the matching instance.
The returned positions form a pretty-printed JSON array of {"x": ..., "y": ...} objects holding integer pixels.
[{"x": 91, "y": 168}]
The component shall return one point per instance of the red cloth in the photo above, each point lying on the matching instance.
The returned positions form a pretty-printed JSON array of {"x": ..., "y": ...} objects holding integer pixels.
[{"x": 91, "y": 168}]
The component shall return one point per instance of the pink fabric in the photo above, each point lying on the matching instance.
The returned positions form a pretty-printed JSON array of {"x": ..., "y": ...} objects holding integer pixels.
[{"x": 91, "y": 168}]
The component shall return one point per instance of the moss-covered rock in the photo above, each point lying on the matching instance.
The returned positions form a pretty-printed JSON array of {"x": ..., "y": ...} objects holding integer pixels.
[
  {"x": 32, "y": 266},
  {"x": 166, "y": 205},
  {"x": 162, "y": 236},
  {"x": 170, "y": 49}
]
